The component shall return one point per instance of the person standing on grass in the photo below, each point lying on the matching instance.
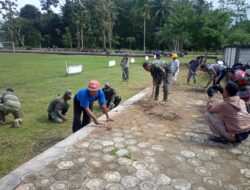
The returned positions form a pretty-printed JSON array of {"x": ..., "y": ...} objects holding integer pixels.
[
  {"x": 83, "y": 104},
  {"x": 175, "y": 67},
  {"x": 59, "y": 107},
  {"x": 10, "y": 104},
  {"x": 125, "y": 68},
  {"x": 159, "y": 72},
  {"x": 193, "y": 66}
]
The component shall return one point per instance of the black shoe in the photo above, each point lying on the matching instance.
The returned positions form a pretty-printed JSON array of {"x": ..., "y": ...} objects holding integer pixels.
[{"x": 221, "y": 140}]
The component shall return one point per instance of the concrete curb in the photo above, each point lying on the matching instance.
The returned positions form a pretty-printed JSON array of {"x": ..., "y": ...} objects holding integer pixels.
[{"x": 11, "y": 180}]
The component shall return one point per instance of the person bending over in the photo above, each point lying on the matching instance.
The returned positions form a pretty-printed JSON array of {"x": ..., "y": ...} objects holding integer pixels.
[{"x": 83, "y": 104}]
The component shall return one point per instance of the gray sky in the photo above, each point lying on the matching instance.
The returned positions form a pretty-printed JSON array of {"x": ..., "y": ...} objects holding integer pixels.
[{"x": 36, "y": 3}]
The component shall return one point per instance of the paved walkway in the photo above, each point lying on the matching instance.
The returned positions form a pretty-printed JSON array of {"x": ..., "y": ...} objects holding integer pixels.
[{"x": 146, "y": 148}]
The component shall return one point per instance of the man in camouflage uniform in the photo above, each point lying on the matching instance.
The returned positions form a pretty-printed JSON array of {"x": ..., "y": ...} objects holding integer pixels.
[
  {"x": 59, "y": 106},
  {"x": 110, "y": 95},
  {"x": 160, "y": 71},
  {"x": 10, "y": 104},
  {"x": 125, "y": 68}
]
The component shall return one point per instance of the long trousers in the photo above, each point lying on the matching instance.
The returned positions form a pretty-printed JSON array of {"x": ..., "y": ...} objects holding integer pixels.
[{"x": 78, "y": 111}]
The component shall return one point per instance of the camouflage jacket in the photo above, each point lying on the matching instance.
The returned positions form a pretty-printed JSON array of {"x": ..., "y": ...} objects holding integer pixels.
[
  {"x": 109, "y": 93},
  {"x": 10, "y": 99},
  {"x": 57, "y": 104},
  {"x": 158, "y": 68}
]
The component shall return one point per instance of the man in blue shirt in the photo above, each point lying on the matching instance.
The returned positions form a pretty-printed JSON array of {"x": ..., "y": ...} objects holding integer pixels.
[
  {"x": 193, "y": 66},
  {"x": 83, "y": 103}
]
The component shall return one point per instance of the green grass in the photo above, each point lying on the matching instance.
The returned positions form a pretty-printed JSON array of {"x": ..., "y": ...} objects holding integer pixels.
[
  {"x": 114, "y": 151},
  {"x": 37, "y": 79}
]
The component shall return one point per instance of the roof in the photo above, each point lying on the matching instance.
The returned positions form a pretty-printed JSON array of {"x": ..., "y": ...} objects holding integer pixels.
[{"x": 245, "y": 46}]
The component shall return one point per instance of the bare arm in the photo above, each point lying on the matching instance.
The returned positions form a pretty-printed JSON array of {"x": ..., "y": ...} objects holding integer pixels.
[
  {"x": 92, "y": 116},
  {"x": 105, "y": 111},
  {"x": 213, "y": 76},
  {"x": 209, "y": 82}
]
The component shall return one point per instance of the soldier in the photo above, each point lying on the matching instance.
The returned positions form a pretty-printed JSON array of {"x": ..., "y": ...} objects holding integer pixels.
[
  {"x": 125, "y": 66},
  {"x": 83, "y": 104},
  {"x": 10, "y": 104},
  {"x": 159, "y": 72},
  {"x": 59, "y": 106},
  {"x": 157, "y": 58},
  {"x": 110, "y": 95}
]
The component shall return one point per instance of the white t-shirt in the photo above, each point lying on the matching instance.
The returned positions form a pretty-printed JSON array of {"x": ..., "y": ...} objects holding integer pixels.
[{"x": 175, "y": 65}]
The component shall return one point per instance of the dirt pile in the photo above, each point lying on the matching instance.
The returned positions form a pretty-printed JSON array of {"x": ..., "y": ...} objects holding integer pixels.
[{"x": 158, "y": 109}]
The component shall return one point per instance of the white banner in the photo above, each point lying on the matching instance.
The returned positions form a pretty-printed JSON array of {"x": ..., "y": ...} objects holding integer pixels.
[
  {"x": 72, "y": 69},
  {"x": 132, "y": 60},
  {"x": 111, "y": 63}
]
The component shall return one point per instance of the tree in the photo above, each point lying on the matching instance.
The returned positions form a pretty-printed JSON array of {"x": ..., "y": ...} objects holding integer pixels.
[
  {"x": 161, "y": 9},
  {"x": 50, "y": 27},
  {"x": 131, "y": 40},
  {"x": 8, "y": 10},
  {"x": 144, "y": 12},
  {"x": 106, "y": 9},
  {"x": 67, "y": 38},
  {"x": 30, "y": 12},
  {"x": 177, "y": 31},
  {"x": 238, "y": 37},
  {"x": 80, "y": 18},
  {"x": 201, "y": 5},
  {"x": 238, "y": 8},
  {"x": 46, "y": 4}
]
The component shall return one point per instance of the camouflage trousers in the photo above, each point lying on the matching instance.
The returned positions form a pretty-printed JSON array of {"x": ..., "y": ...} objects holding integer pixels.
[
  {"x": 56, "y": 117},
  {"x": 5, "y": 110},
  {"x": 166, "y": 83},
  {"x": 125, "y": 74}
]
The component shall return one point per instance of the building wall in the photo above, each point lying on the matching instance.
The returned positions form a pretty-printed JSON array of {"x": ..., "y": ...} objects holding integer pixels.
[
  {"x": 244, "y": 56},
  {"x": 236, "y": 54},
  {"x": 229, "y": 56}
]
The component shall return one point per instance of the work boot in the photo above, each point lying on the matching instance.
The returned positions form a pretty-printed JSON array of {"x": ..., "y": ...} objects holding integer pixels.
[
  {"x": 16, "y": 123},
  {"x": 165, "y": 97},
  {"x": 157, "y": 91}
]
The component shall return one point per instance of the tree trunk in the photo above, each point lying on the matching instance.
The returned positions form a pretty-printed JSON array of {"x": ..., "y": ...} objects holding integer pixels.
[
  {"x": 104, "y": 39},
  {"x": 77, "y": 36},
  {"x": 81, "y": 37},
  {"x": 110, "y": 36},
  {"x": 144, "y": 37}
]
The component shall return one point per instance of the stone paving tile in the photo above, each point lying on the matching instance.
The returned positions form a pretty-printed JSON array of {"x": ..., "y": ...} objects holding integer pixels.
[{"x": 147, "y": 154}]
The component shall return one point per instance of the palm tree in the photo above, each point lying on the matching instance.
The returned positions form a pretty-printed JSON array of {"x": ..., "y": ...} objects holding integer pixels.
[
  {"x": 200, "y": 6},
  {"x": 161, "y": 9},
  {"x": 131, "y": 40},
  {"x": 81, "y": 19},
  {"x": 108, "y": 13}
]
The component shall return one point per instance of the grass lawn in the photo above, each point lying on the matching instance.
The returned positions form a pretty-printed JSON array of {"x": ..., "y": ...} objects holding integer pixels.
[{"x": 37, "y": 79}]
